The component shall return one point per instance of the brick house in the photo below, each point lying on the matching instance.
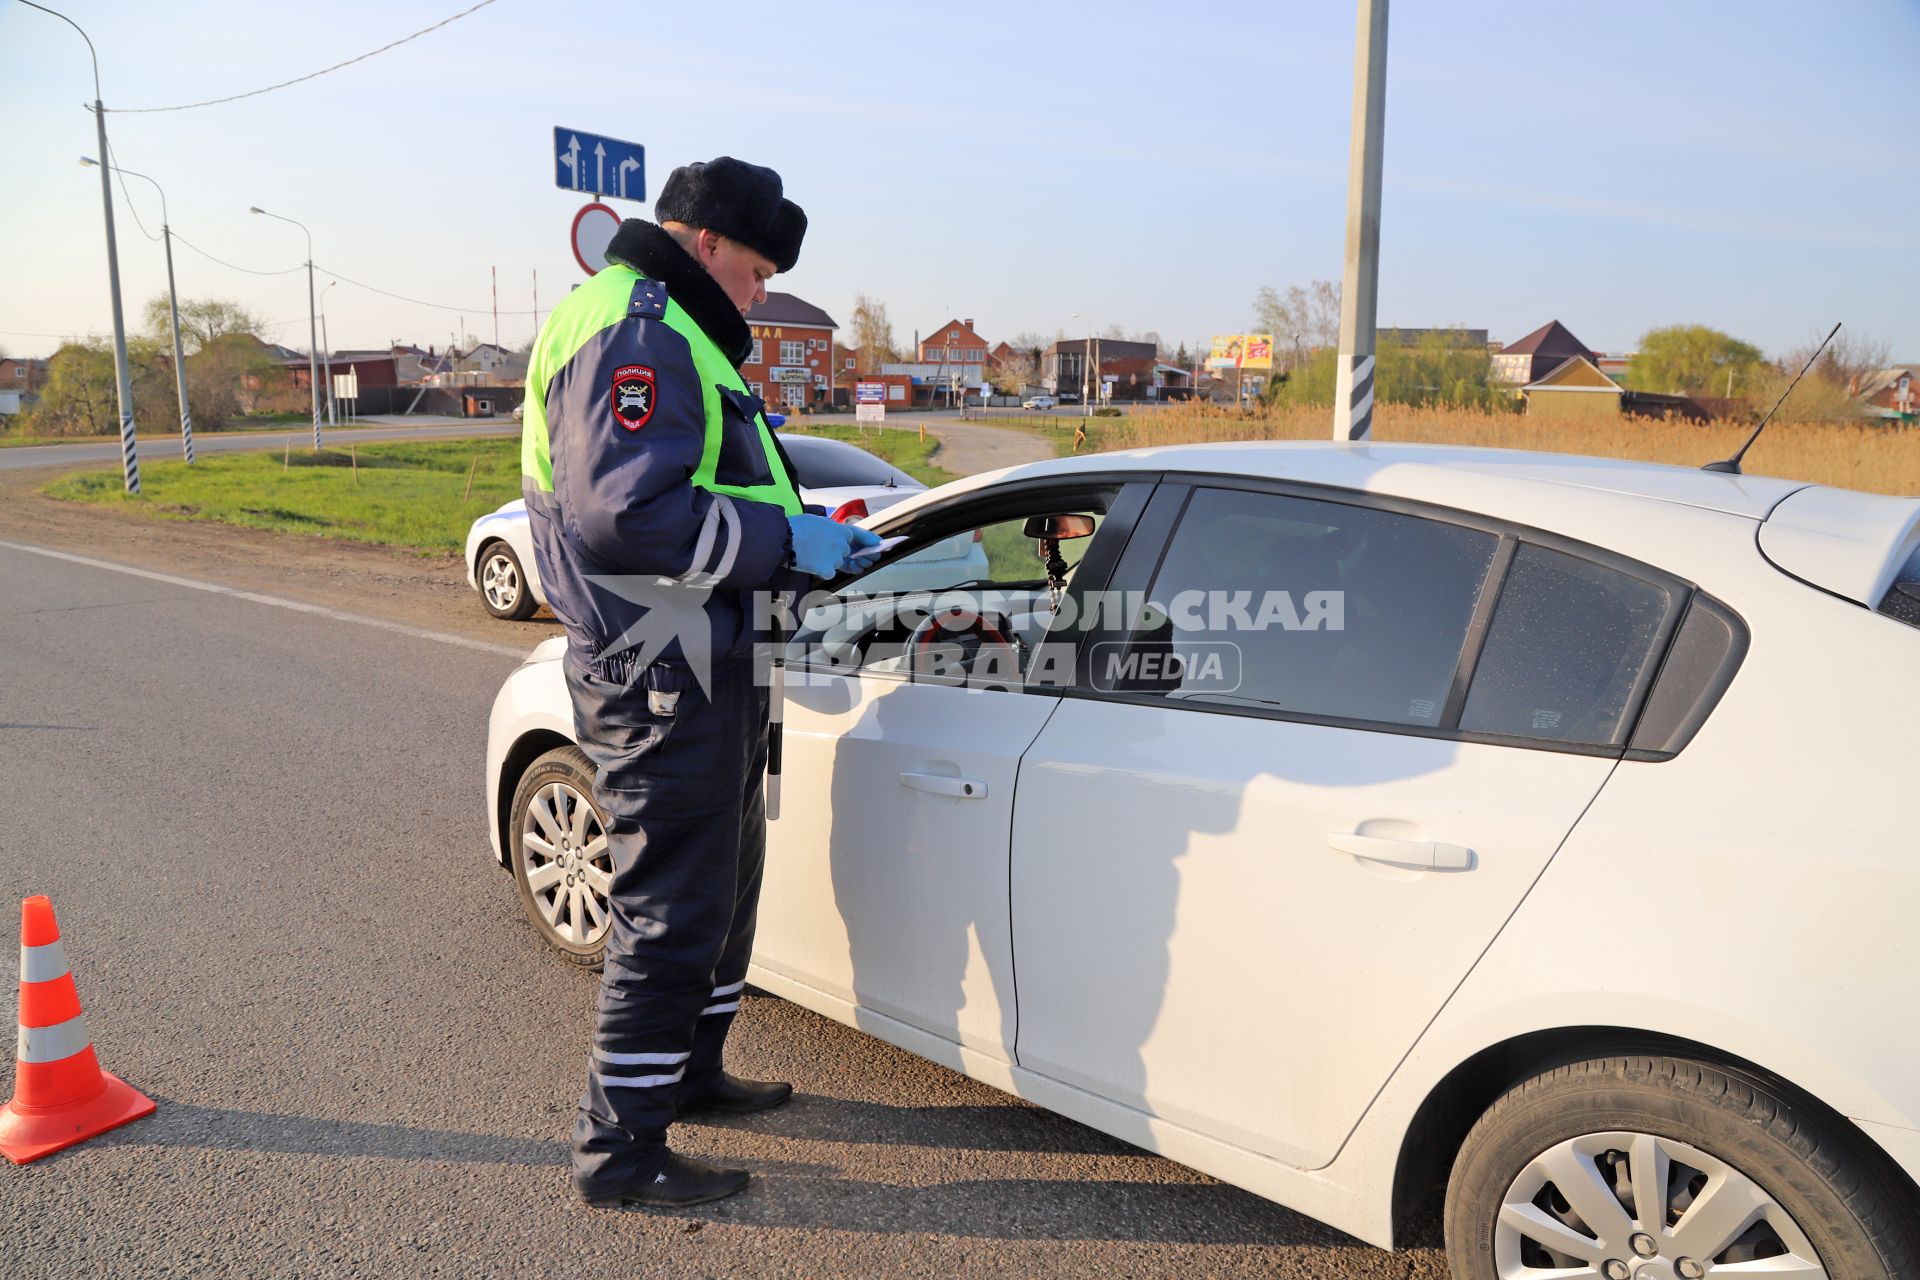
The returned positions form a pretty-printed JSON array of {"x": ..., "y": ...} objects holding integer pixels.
[
  {"x": 1538, "y": 354},
  {"x": 793, "y": 361}
]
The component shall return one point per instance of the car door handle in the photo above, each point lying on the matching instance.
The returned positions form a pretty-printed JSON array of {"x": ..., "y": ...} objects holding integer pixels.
[
  {"x": 1415, "y": 855},
  {"x": 941, "y": 784}
]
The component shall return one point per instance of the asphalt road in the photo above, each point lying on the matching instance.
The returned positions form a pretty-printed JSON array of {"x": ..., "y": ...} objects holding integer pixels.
[{"x": 262, "y": 831}]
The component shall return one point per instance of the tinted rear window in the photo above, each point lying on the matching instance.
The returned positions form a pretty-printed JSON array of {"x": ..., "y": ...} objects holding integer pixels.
[
  {"x": 1398, "y": 592},
  {"x": 1564, "y": 654}
]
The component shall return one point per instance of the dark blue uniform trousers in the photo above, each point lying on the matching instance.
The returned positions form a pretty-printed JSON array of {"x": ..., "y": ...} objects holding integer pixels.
[{"x": 680, "y": 777}]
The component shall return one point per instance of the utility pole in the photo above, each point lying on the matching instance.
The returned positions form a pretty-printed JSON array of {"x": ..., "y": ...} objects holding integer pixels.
[
  {"x": 1360, "y": 281},
  {"x": 123, "y": 377},
  {"x": 173, "y": 305},
  {"x": 326, "y": 344},
  {"x": 313, "y": 324}
]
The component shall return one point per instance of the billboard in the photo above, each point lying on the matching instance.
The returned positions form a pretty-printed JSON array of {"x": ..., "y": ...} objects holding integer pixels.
[{"x": 1241, "y": 351}]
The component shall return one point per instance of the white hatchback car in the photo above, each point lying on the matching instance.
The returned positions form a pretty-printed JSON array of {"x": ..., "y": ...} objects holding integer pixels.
[
  {"x": 1520, "y": 833},
  {"x": 844, "y": 478}
]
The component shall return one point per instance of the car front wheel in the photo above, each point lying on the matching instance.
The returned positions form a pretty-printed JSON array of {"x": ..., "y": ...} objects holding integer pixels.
[
  {"x": 503, "y": 584},
  {"x": 1657, "y": 1168},
  {"x": 561, "y": 862}
]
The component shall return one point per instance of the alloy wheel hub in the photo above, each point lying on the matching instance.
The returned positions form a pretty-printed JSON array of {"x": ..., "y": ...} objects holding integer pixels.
[{"x": 1639, "y": 1206}]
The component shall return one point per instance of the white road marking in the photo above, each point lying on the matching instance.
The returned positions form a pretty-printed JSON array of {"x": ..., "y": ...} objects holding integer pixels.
[{"x": 279, "y": 602}]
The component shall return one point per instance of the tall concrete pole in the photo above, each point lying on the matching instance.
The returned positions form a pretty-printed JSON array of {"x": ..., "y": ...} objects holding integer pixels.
[
  {"x": 1360, "y": 281},
  {"x": 123, "y": 376},
  {"x": 313, "y": 347},
  {"x": 173, "y": 308}
]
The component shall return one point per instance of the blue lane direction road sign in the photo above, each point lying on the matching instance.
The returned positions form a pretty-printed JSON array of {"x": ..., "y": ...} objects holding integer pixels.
[{"x": 600, "y": 166}]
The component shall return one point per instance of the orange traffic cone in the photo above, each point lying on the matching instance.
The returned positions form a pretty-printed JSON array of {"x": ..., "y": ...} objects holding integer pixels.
[{"x": 60, "y": 1094}]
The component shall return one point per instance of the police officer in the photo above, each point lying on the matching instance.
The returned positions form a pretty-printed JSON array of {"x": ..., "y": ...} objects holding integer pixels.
[{"x": 660, "y": 503}]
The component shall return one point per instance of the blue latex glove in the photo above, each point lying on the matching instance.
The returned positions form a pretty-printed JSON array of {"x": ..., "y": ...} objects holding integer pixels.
[
  {"x": 776, "y": 420},
  {"x": 824, "y": 547}
]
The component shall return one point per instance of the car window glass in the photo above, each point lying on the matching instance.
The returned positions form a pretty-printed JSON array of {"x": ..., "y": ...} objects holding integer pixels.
[
  {"x": 831, "y": 464},
  {"x": 1304, "y": 606},
  {"x": 981, "y": 596},
  {"x": 1565, "y": 650}
]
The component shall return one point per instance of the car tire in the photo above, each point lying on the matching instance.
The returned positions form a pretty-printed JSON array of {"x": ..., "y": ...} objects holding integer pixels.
[
  {"x": 503, "y": 583},
  {"x": 1817, "y": 1185},
  {"x": 560, "y": 863}
]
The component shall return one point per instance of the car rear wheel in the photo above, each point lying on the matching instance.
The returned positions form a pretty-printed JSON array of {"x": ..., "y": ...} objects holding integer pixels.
[
  {"x": 561, "y": 862},
  {"x": 503, "y": 583},
  {"x": 1656, "y": 1168}
]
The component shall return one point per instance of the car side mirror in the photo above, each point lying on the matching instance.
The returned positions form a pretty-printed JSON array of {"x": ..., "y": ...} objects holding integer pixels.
[{"x": 1058, "y": 528}]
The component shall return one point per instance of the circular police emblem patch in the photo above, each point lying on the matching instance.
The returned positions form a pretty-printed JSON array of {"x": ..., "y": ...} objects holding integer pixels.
[{"x": 633, "y": 395}]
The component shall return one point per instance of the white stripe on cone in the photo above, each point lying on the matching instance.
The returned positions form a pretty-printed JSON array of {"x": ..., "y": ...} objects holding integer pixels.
[
  {"x": 51, "y": 1044},
  {"x": 43, "y": 963}
]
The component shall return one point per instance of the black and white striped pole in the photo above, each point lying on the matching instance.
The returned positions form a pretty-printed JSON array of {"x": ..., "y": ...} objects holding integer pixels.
[
  {"x": 173, "y": 304},
  {"x": 1360, "y": 281},
  {"x": 123, "y": 378}
]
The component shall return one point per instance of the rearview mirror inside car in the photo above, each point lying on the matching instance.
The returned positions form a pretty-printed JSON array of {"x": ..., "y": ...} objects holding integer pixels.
[{"x": 1058, "y": 528}]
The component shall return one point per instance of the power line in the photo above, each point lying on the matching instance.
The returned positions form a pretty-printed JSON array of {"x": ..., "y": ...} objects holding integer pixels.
[
  {"x": 36, "y": 333},
  {"x": 254, "y": 93},
  {"x": 230, "y": 266},
  {"x": 127, "y": 195},
  {"x": 418, "y": 302}
]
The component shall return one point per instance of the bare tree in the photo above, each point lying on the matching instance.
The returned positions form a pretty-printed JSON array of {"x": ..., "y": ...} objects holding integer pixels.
[
  {"x": 1850, "y": 355},
  {"x": 1016, "y": 371},
  {"x": 872, "y": 332},
  {"x": 1303, "y": 319}
]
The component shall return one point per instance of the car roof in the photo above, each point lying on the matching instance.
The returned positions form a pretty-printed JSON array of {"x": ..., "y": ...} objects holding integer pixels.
[{"x": 1425, "y": 472}]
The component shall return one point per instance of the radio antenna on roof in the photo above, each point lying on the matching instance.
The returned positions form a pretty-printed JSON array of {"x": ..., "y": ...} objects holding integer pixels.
[{"x": 1732, "y": 465}]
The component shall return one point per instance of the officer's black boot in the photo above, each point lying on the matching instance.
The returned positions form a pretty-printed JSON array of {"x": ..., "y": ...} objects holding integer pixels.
[
  {"x": 732, "y": 1094},
  {"x": 679, "y": 1183}
]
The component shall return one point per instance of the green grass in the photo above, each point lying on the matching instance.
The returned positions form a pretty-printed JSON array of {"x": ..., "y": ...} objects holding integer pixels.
[{"x": 404, "y": 495}]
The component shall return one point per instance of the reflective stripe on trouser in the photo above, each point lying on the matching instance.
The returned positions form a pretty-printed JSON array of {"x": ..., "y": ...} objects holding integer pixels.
[{"x": 686, "y": 827}]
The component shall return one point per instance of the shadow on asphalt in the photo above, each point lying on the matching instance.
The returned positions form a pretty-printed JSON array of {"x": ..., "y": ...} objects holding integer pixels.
[
  {"x": 812, "y": 1117},
  {"x": 180, "y": 1124},
  {"x": 814, "y": 1197}
]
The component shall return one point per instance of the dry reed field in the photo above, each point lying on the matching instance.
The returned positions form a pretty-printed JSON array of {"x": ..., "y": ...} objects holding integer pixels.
[{"x": 1880, "y": 459}]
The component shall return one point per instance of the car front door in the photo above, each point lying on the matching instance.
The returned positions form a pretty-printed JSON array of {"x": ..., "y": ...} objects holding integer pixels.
[
  {"x": 1251, "y": 862},
  {"x": 886, "y": 880}
]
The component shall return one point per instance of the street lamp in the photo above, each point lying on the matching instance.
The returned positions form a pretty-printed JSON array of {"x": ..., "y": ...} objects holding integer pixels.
[
  {"x": 313, "y": 323},
  {"x": 123, "y": 378},
  {"x": 173, "y": 305}
]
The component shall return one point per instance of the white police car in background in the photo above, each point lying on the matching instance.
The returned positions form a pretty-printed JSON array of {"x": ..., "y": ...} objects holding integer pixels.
[
  {"x": 845, "y": 479},
  {"x": 1567, "y": 889}
]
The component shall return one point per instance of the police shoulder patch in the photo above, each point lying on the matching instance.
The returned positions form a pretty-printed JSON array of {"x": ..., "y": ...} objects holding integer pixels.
[{"x": 634, "y": 394}]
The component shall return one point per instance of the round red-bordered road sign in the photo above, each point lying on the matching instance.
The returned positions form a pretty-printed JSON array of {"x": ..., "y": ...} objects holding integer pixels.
[{"x": 593, "y": 229}]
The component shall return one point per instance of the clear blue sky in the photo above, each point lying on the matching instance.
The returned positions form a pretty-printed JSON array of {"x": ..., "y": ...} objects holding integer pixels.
[{"x": 1753, "y": 165}]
